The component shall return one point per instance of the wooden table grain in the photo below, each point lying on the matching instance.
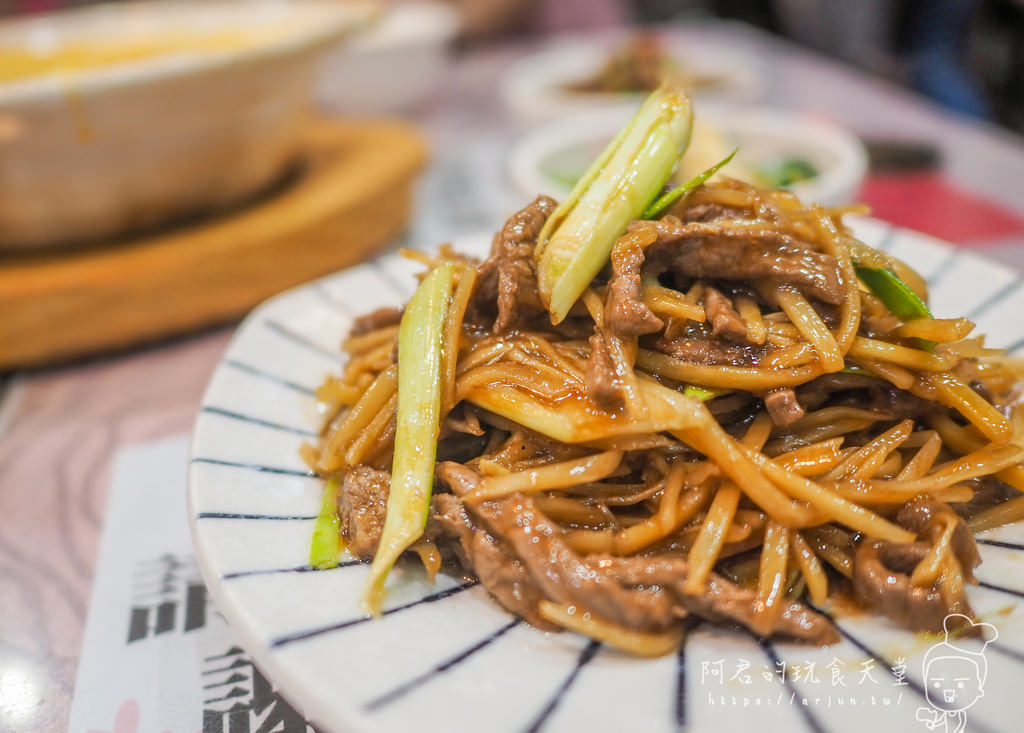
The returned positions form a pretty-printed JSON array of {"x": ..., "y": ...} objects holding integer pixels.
[{"x": 60, "y": 427}]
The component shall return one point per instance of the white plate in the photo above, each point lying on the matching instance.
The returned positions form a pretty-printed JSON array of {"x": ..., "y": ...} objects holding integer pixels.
[
  {"x": 551, "y": 157},
  {"x": 445, "y": 657},
  {"x": 370, "y": 74},
  {"x": 534, "y": 87}
]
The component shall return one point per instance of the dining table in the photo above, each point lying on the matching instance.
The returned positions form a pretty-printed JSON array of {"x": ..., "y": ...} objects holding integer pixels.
[{"x": 61, "y": 426}]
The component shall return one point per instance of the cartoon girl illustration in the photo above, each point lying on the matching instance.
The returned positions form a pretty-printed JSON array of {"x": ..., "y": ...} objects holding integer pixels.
[{"x": 954, "y": 673}]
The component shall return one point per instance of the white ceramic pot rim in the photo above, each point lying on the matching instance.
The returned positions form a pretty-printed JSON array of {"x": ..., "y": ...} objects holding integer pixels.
[
  {"x": 847, "y": 172},
  {"x": 407, "y": 24},
  {"x": 321, "y": 23}
]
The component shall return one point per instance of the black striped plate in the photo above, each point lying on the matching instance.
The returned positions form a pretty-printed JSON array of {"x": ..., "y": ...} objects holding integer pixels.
[{"x": 445, "y": 657}]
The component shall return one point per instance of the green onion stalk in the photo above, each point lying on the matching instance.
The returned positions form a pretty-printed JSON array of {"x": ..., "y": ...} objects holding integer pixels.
[
  {"x": 896, "y": 295},
  {"x": 418, "y": 423},
  {"x": 326, "y": 546},
  {"x": 577, "y": 238}
]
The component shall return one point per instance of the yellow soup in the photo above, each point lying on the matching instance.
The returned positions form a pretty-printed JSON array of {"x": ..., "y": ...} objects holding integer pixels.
[{"x": 20, "y": 63}]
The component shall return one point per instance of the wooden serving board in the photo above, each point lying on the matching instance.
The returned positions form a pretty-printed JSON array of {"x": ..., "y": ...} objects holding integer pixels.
[{"x": 352, "y": 198}]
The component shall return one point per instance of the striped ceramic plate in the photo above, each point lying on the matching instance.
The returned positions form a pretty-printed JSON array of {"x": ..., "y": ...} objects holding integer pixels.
[{"x": 445, "y": 657}]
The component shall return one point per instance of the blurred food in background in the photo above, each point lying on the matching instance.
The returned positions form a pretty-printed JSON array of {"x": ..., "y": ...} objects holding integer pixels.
[
  {"x": 573, "y": 74},
  {"x": 640, "y": 64},
  {"x": 119, "y": 118},
  {"x": 817, "y": 160}
]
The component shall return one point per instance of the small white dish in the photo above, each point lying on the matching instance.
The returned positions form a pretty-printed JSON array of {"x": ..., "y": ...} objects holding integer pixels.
[
  {"x": 445, "y": 657},
  {"x": 550, "y": 158},
  {"x": 535, "y": 87},
  {"x": 392, "y": 65}
]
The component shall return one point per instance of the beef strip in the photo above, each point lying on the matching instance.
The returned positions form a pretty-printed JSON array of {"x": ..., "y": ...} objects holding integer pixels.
[
  {"x": 897, "y": 402},
  {"x": 560, "y": 574},
  {"x": 448, "y": 520},
  {"x": 362, "y": 502},
  {"x": 720, "y": 601},
  {"x": 864, "y": 391},
  {"x": 724, "y": 319},
  {"x": 564, "y": 576},
  {"x": 678, "y": 328},
  {"x": 827, "y": 384},
  {"x": 928, "y": 518},
  {"x": 506, "y": 578},
  {"x": 710, "y": 351},
  {"x": 734, "y": 408},
  {"x": 988, "y": 491},
  {"x": 707, "y": 211},
  {"x": 783, "y": 406},
  {"x": 603, "y": 385},
  {"x": 701, "y": 249},
  {"x": 881, "y": 580},
  {"x": 461, "y": 447},
  {"x": 498, "y": 570},
  {"x": 387, "y": 316},
  {"x": 507, "y": 277},
  {"x": 626, "y": 314},
  {"x": 882, "y": 569}
]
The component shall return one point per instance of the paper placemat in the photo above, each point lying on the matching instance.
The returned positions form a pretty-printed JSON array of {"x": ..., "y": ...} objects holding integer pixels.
[{"x": 157, "y": 656}]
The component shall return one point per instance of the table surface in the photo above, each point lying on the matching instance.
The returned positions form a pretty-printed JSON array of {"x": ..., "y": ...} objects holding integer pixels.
[{"x": 60, "y": 427}]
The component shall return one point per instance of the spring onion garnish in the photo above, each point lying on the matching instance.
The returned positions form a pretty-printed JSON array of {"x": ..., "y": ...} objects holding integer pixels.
[
  {"x": 578, "y": 237},
  {"x": 570, "y": 422},
  {"x": 895, "y": 295},
  {"x": 667, "y": 200},
  {"x": 786, "y": 172},
  {"x": 418, "y": 420},
  {"x": 703, "y": 393},
  {"x": 326, "y": 547}
]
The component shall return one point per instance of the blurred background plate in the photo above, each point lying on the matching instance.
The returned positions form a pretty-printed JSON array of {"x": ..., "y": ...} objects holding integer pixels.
[
  {"x": 817, "y": 160},
  {"x": 118, "y": 118},
  {"x": 394, "y": 65},
  {"x": 537, "y": 87}
]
